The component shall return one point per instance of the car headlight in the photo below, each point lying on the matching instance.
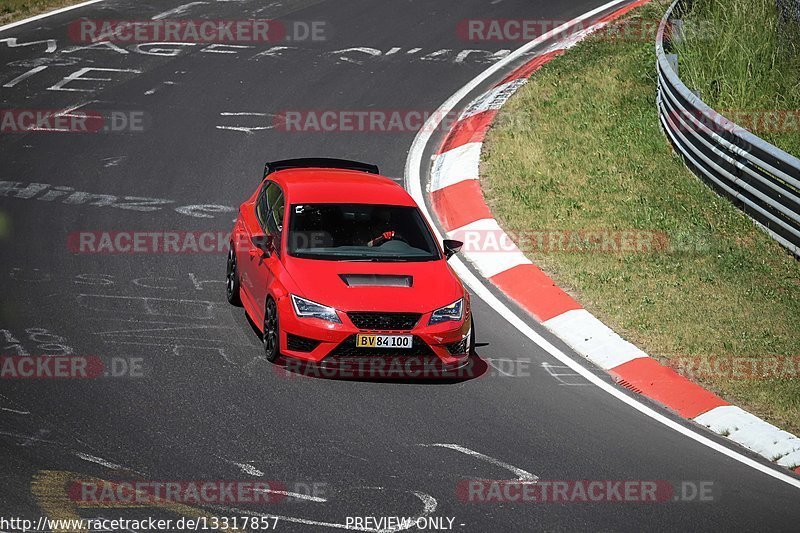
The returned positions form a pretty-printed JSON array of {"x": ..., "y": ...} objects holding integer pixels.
[
  {"x": 452, "y": 312},
  {"x": 307, "y": 309}
]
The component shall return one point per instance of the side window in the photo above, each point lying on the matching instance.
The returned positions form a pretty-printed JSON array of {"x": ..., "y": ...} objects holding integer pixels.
[
  {"x": 272, "y": 194},
  {"x": 262, "y": 207},
  {"x": 274, "y": 221},
  {"x": 277, "y": 213}
]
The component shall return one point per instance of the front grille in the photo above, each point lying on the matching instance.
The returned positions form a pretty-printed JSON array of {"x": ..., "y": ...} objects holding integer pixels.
[
  {"x": 384, "y": 321},
  {"x": 347, "y": 348},
  {"x": 296, "y": 343}
]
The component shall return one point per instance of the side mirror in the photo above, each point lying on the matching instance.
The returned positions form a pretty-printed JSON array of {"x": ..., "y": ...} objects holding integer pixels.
[
  {"x": 262, "y": 244},
  {"x": 451, "y": 247}
]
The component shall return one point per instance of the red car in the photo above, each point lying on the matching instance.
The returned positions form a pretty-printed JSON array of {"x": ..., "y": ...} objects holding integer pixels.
[{"x": 333, "y": 262}]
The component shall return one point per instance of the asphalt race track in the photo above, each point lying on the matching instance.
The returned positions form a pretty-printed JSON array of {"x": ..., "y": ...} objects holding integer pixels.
[{"x": 207, "y": 406}]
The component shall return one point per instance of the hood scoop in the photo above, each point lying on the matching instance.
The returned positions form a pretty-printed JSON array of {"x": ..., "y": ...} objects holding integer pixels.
[{"x": 376, "y": 280}]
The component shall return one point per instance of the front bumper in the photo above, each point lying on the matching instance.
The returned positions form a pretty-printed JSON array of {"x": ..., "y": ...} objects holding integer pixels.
[{"x": 320, "y": 342}]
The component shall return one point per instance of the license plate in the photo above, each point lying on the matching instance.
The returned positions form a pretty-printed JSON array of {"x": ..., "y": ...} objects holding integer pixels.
[{"x": 383, "y": 341}]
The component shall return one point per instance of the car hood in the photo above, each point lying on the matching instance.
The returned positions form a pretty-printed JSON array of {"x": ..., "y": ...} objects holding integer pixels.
[{"x": 373, "y": 286}]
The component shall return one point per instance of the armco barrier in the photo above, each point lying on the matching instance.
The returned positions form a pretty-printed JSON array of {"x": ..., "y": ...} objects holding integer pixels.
[{"x": 761, "y": 179}]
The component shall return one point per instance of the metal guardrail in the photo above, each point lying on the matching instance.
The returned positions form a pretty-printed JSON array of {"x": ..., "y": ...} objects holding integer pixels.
[{"x": 761, "y": 179}]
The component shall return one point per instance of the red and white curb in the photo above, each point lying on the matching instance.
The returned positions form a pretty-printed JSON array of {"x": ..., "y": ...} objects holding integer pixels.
[{"x": 458, "y": 203}]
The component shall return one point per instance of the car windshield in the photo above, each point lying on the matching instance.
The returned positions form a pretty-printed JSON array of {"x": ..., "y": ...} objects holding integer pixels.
[{"x": 360, "y": 232}]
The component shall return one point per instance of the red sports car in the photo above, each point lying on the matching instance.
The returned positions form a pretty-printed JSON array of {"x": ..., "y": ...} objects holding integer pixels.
[{"x": 334, "y": 262}]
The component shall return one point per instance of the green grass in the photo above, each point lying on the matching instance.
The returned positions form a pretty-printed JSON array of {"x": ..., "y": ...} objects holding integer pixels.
[
  {"x": 580, "y": 148},
  {"x": 738, "y": 60},
  {"x": 12, "y": 10}
]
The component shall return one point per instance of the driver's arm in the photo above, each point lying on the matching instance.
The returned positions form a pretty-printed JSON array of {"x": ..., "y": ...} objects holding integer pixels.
[{"x": 382, "y": 238}]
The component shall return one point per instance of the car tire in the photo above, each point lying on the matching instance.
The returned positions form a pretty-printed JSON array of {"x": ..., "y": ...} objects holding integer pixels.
[
  {"x": 271, "y": 336},
  {"x": 232, "y": 283}
]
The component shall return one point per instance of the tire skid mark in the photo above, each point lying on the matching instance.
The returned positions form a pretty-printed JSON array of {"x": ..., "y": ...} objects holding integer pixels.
[{"x": 522, "y": 475}]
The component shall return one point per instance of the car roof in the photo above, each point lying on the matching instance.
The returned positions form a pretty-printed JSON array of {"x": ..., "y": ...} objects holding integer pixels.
[{"x": 326, "y": 185}]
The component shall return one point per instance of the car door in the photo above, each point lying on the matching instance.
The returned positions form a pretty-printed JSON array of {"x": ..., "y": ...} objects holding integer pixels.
[
  {"x": 262, "y": 262},
  {"x": 251, "y": 219}
]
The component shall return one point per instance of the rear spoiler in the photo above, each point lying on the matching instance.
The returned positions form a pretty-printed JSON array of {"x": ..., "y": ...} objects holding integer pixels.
[{"x": 319, "y": 162}]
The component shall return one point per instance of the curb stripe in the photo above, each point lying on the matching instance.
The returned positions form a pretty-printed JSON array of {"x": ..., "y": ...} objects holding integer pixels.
[
  {"x": 753, "y": 433},
  {"x": 460, "y": 204},
  {"x": 592, "y": 339},
  {"x": 493, "y": 99},
  {"x": 534, "y": 291},
  {"x": 455, "y": 165},
  {"x": 469, "y": 130},
  {"x": 491, "y": 262},
  {"x": 662, "y": 384},
  {"x": 527, "y": 70}
]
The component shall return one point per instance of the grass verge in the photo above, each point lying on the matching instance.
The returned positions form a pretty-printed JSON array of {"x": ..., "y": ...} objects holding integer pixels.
[
  {"x": 579, "y": 148},
  {"x": 14, "y": 10}
]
